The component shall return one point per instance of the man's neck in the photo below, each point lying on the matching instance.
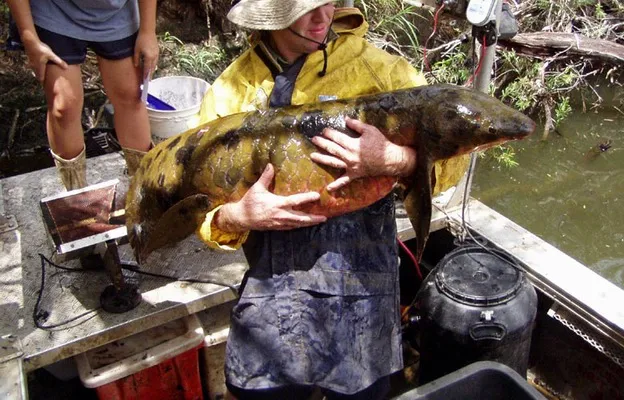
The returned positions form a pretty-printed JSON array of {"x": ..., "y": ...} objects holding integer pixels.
[{"x": 281, "y": 53}]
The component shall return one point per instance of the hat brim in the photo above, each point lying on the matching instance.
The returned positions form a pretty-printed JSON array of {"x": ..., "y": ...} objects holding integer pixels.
[{"x": 271, "y": 15}]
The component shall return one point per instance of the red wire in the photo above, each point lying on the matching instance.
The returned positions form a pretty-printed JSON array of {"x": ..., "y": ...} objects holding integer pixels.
[
  {"x": 411, "y": 255},
  {"x": 480, "y": 63},
  {"x": 435, "y": 28}
]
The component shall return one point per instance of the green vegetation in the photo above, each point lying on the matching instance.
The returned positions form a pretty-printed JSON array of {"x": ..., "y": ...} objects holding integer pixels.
[
  {"x": 503, "y": 155},
  {"x": 200, "y": 60},
  {"x": 453, "y": 68},
  {"x": 394, "y": 26},
  {"x": 562, "y": 110},
  {"x": 584, "y": 15},
  {"x": 542, "y": 87}
]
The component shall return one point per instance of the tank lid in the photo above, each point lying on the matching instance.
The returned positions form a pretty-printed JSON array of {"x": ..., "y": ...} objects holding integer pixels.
[{"x": 478, "y": 276}]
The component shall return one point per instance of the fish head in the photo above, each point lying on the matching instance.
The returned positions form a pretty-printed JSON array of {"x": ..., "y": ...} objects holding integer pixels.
[{"x": 466, "y": 120}]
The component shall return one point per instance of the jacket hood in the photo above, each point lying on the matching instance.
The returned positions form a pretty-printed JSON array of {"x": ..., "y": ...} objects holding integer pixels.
[{"x": 349, "y": 20}]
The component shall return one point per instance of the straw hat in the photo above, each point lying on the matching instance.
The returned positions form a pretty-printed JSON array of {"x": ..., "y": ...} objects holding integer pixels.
[{"x": 271, "y": 15}]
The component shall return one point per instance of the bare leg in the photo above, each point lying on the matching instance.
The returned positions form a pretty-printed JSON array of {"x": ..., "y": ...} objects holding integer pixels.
[
  {"x": 121, "y": 82},
  {"x": 64, "y": 97}
]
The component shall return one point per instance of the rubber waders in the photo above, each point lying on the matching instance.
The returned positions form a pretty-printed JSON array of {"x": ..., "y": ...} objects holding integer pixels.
[
  {"x": 133, "y": 158},
  {"x": 73, "y": 172}
]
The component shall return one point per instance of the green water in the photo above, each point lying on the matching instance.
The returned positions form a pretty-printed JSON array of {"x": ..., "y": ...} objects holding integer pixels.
[{"x": 565, "y": 193}]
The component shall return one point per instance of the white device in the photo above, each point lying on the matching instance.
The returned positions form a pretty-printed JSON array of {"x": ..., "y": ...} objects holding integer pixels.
[{"x": 480, "y": 12}]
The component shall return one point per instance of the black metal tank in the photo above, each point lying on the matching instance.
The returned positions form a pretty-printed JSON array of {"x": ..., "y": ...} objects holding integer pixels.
[{"x": 475, "y": 305}]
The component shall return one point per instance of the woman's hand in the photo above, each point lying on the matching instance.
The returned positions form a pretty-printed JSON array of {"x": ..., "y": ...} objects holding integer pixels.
[
  {"x": 39, "y": 54},
  {"x": 370, "y": 154},
  {"x": 261, "y": 210},
  {"x": 146, "y": 52}
]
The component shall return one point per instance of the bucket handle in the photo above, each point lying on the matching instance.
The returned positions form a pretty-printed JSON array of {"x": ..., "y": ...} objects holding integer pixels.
[{"x": 487, "y": 331}]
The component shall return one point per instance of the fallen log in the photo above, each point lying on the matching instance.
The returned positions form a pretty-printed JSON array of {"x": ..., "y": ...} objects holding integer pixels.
[{"x": 547, "y": 44}]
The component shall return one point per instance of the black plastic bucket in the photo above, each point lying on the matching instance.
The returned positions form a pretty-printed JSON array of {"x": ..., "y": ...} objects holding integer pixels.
[{"x": 475, "y": 305}]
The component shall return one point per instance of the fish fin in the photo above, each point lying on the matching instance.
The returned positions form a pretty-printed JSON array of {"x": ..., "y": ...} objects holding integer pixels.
[
  {"x": 178, "y": 222},
  {"x": 418, "y": 204}
]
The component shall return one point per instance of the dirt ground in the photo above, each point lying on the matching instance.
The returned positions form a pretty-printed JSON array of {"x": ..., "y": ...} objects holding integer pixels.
[{"x": 22, "y": 116}]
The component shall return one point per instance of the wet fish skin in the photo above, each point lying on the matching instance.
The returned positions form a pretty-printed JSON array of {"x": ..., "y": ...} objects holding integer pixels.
[{"x": 186, "y": 176}]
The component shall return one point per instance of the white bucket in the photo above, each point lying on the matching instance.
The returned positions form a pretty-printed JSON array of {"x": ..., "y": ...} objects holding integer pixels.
[{"x": 185, "y": 94}]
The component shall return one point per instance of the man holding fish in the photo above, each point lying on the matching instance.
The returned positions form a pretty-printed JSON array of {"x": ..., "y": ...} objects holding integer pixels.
[
  {"x": 303, "y": 139},
  {"x": 319, "y": 305}
]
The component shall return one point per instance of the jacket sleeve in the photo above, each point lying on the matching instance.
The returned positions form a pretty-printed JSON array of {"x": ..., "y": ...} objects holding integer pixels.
[
  {"x": 217, "y": 239},
  {"x": 404, "y": 76},
  {"x": 208, "y": 231},
  {"x": 207, "y": 109}
]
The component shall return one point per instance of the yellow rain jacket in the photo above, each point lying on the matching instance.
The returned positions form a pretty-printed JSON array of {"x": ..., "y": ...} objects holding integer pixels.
[{"x": 354, "y": 67}]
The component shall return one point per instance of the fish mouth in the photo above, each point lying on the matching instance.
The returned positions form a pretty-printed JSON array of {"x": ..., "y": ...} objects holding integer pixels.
[
  {"x": 495, "y": 143},
  {"x": 512, "y": 128},
  {"x": 524, "y": 127},
  {"x": 515, "y": 127}
]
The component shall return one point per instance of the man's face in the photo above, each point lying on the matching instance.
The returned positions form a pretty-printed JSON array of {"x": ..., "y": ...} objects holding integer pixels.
[{"x": 313, "y": 25}]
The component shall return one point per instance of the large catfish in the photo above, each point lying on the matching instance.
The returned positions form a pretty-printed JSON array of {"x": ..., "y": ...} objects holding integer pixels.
[{"x": 186, "y": 176}]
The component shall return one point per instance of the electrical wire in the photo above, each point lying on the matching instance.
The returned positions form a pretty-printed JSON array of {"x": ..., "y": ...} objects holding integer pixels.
[
  {"x": 435, "y": 29},
  {"x": 40, "y": 315},
  {"x": 426, "y": 62},
  {"x": 412, "y": 257},
  {"x": 406, "y": 310},
  {"x": 471, "y": 169},
  {"x": 479, "y": 65},
  {"x": 175, "y": 279}
]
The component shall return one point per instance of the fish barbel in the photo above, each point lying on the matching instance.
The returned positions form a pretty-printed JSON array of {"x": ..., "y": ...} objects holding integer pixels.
[{"x": 184, "y": 177}]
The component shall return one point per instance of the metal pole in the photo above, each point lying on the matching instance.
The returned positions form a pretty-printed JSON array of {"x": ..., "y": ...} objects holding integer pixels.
[
  {"x": 481, "y": 83},
  {"x": 482, "y": 80}
]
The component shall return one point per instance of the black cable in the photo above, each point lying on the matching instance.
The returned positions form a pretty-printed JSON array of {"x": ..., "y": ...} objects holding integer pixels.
[
  {"x": 175, "y": 279},
  {"x": 321, "y": 46},
  {"x": 471, "y": 169},
  {"x": 42, "y": 315},
  {"x": 467, "y": 185},
  {"x": 38, "y": 314}
]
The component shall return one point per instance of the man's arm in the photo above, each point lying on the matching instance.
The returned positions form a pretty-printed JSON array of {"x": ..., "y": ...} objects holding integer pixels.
[{"x": 226, "y": 227}]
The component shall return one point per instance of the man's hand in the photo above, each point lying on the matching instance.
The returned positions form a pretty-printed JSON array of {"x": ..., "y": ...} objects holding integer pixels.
[
  {"x": 261, "y": 210},
  {"x": 371, "y": 154}
]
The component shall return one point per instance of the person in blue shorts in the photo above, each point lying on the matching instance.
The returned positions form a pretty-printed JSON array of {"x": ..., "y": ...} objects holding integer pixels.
[{"x": 56, "y": 35}]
